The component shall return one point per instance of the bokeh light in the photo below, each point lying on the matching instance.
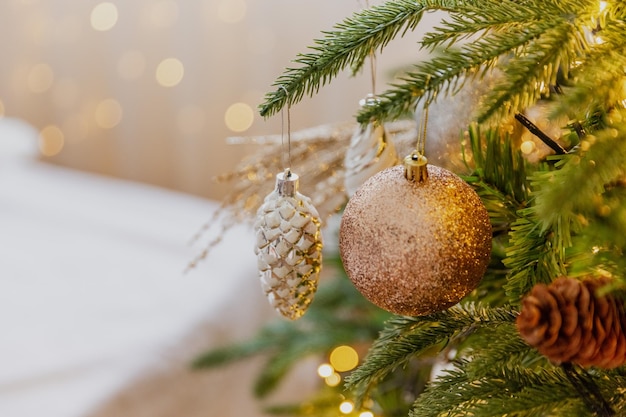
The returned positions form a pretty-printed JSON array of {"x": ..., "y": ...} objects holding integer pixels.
[
  {"x": 239, "y": 117},
  {"x": 333, "y": 380},
  {"x": 51, "y": 140},
  {"x": 366, "y": 414},
  {"x": 527, "y": 147},
  {"x": 40, "y": 78},
  {"x": 163, "y": 13},
  {"x": 325, "y": 370},
  {"x": 346, "y": 407},
  {"x": 104, "y": 16},
  {"x": 170, "y": 72},
  {"x": 232, "y": 11},
  {"x": 344, "y": 358},
  {"x": 108, "y": 113}
]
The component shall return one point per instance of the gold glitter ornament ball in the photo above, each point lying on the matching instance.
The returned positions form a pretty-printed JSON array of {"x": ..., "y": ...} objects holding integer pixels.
[{"x": 415, "y": 248}]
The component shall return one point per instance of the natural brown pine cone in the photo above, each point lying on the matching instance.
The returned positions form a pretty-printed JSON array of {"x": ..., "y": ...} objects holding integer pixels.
[{"x": 568, "y": 322}]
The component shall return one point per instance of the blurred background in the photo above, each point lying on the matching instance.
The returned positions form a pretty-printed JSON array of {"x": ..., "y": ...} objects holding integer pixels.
[
  {"x": 149, "y": 90},
  {"x": 113, "y": 122}
]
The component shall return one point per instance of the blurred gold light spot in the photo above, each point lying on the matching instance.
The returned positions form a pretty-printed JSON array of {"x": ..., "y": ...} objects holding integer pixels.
[
  {"x": 104, "y": 16},
  {"x": 325, "y": 370},
  {"x": 527, "y": 147},
  {"x": 333, "y": 380},
  {"x": 170, "y": 72},
  {"x": 163, "y": 13},
  {"x": 40, "y": 78},
  {"x": 344, "y": 358},
  {"x": 231, "y": 11},
  {"x": 190, "y": 119},
  {"x": 131, "y": 65},
  {"x": 108, "y": 113},
  {"x": 51, "y": 140},
  {"x": 366, "y": 414},
  {"x": 346, "y": 407},
  {"x": 239, "y": 117}
]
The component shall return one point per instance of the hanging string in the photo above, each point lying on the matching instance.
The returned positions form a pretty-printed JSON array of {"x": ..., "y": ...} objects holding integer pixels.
[
  {"x": 421, "y": 136},
  {"x": 282, "y": 134},
  {"x": 372, "y": 54},
  {"x": 373, "y": 69}
]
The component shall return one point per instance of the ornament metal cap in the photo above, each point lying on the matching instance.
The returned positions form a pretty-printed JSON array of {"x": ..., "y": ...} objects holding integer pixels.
[
  {"x": 415, "y": 167},
  {"x": 287, "y": 183}
]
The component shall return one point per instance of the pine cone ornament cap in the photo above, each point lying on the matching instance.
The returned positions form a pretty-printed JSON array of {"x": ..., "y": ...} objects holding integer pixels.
[
  {"x": 288, "y": 247},
  {"x": 568, "y": 322}
]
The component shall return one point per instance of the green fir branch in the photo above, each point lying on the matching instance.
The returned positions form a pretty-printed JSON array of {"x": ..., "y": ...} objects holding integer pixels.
[
  {"x": 502, "y": 390},
  {"x": 601, "y": 72},
  {"x": 534, "y": 255},
  {"x": 499, "y": 175},
  {"x": 531, "y": 68},
  {"x": 349, "y": 45},
  {"x": 599, "y": 163},
  {"x": 446, "y": 73},
  {"x": 471, "y": 20},
  {"x": 406, "y": 337},
  {"x": 339, "y": 315}
]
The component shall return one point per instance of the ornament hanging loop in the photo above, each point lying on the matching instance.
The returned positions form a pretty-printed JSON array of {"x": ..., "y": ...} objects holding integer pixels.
[
  {"x": 416, "y": 163},
  {"x": 286, "y": 182},
  {"x": 282, "y": 134}
]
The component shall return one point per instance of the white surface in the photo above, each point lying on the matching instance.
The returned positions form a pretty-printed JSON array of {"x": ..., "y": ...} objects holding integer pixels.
[{"x": 91, "y": 285}]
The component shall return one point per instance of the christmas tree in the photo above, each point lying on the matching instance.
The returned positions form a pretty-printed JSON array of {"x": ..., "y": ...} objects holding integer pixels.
[{"x": 544, "y": 332}]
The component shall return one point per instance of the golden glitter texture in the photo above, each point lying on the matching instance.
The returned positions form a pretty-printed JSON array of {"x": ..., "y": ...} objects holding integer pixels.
[{"x": 414, "y": 248}]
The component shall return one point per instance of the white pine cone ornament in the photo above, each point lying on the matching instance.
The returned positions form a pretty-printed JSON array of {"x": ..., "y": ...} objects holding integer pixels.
[{"x": 288, "y": 247}]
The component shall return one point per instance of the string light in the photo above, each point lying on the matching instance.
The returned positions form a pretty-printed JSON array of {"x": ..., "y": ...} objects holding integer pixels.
[
  {"x": 344, "y": 358},
  {"x": 104, "y": 16},
  {"x": 163, "y": 13},
  {"x": 40, "y": 78},
  {"x": 325, "y": 370},
  {"x": 232, "y": 11},
  {"x": 239, "y": 117},
  {"x": 527, "y": 147},
  {"x": 51, "y": 140},
  {"x": 108, "y": 113},
  {"x": 333, "y": 380},
  {"x": 169, "y": 72},
  {"x": 346, "y": 407}
]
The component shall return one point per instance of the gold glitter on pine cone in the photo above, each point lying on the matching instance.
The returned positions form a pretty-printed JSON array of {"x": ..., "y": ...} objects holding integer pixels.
[{"x": 567, "y": 321}]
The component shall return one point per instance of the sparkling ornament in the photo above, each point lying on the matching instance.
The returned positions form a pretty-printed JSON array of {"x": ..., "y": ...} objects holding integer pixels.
[
  {"x": 370, "y": 151},
  {"x": 288, "y": 247},
  {"x": 415, "y": 239}
]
